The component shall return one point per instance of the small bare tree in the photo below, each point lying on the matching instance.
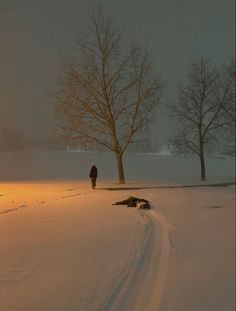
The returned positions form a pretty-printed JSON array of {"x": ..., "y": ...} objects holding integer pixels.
[
  {"x": 202, "y": 110},
  {"x": 226, "y": 94},
  {"x": 108, "y": 92}
]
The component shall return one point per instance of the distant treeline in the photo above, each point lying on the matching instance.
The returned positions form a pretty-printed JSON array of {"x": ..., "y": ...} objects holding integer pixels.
[{"x": 15, "y": 140}]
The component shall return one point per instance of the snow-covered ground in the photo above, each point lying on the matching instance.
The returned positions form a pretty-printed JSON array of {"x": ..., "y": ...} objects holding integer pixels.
[{"x": 65, "y": 247}]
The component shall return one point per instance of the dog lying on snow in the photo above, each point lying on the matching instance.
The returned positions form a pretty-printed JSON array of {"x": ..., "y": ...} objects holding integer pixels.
[{"x": 134, "y": 202}]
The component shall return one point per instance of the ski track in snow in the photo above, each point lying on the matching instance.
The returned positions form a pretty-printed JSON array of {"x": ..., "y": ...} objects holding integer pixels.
[
  {"x": 74, "y": 195},
  {"x": 13, "y": 209},
  {"x": 137, "y": 288}
]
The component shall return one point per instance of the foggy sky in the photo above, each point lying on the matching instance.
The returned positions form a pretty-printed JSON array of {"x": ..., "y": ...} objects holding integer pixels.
[{"x": 36, "y": 35}]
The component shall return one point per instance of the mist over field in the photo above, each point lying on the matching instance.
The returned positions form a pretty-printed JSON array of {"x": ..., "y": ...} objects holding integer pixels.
[{"x": 35, "y": 165}]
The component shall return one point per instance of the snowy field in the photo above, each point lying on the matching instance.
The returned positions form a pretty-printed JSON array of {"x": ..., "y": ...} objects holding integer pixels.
[{"x": 65, "y": 247}]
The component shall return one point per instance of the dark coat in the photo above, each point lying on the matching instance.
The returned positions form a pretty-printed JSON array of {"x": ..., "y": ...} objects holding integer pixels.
[
  {"x": 93, "y": 172},
  {"x": 132, "y": 202}
]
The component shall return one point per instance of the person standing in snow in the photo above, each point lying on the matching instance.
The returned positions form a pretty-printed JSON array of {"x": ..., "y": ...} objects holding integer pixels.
[{"x": 93, "y": 175}]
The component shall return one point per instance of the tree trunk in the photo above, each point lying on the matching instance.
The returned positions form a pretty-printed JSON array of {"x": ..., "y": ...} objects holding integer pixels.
[
  {"x": 120, "y": 168},
  {"x": 202, "y": 162}
]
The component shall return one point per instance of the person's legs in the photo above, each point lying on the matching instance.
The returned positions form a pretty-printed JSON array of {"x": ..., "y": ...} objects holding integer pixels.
[
  {"x": 130, "y": 200},
  {"x": 93, "y": 182}
]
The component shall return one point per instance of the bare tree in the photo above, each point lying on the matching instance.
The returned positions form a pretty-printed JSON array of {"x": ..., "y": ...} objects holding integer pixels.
[
  {"x": 202, "y": 110},
  {"x": 108, "y": 92},
  {"x": 226, "y": 94}
]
